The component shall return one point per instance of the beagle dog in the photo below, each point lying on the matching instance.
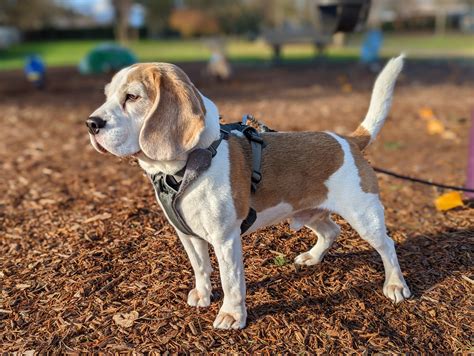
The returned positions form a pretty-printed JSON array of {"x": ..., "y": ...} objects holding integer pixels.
[{"x": 152, "y": 111}]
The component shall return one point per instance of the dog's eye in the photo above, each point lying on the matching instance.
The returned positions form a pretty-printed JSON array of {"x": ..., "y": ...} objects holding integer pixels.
[{"x": 131, "y": 97}]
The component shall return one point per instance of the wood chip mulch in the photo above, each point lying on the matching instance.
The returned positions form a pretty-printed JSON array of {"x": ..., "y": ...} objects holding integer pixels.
[{"x": 88, "y": 262}]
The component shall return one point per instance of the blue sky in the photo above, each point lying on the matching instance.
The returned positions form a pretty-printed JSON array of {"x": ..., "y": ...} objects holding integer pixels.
[{"x": 102, "y": 10}]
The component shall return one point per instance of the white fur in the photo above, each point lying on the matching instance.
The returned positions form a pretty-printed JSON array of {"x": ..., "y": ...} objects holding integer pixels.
[
  {"x": 121, "y": 132},
  {"x": 365, "y": 213},
  {"x": 382, "y": 97},
  {"x": 208, "y": 207},
  {"x": 211, "y": 194},
  {"x": 271, "y": 216},
  {"x": 344, "y": 185}
]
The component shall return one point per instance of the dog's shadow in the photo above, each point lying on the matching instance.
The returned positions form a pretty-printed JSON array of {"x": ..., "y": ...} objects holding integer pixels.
[{"x": 426, "y": 260}]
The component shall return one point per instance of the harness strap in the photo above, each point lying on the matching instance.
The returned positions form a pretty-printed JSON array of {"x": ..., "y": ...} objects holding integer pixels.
[
  {"x": 166, "y": 195},
  {"x": 257, "y": 145},
  {"x": 169, "y": 189},
  {"x": 248, "y": 221}
]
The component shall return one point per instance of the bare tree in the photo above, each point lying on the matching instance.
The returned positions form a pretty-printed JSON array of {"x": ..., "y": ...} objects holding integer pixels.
[
  {"x": 122, "y": 12},
  {"x": 157, "y": 15},
  {"x": 28, "y": 15}
]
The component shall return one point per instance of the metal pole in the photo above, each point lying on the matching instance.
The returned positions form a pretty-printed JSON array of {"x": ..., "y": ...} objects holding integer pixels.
[{"x": 470, "y": 161}]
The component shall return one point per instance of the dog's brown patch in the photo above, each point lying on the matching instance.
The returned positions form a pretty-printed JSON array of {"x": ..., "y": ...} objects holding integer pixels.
[
  {"x": 144, "y": 73},
  {"x": 294, "y": 168},
  {"x": 240, "y": 173},
  {"x": 176, "y": 116},
  {"x": 368, "y": 178},
  {"x": 361, "y": 137}
]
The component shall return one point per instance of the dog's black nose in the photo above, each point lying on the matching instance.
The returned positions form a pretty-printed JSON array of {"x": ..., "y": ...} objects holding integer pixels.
[{"x": 95, "y": 123}]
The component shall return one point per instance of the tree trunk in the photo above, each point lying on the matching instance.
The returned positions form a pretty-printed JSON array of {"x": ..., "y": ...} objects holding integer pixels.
[
  {"x": 122, "y": 12},
  {"x": 441, "y": 19}
]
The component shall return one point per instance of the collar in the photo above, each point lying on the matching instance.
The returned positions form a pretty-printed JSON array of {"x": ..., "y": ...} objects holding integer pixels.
[{"x": 195, "y": 156}]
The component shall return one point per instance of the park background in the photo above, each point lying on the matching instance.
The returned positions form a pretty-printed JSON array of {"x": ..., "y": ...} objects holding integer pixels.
[
  {"x": 89, "y": 263},
  {"x": 64, "y": 31}
]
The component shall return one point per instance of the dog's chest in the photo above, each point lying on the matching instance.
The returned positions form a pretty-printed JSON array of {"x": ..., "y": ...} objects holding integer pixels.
[{"x": 207, "y": 204}]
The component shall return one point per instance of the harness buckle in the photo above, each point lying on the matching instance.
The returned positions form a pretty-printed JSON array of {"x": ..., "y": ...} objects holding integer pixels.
[
  {"x": 256, "y": 177},
  {"x": 253, "y": 135},
  {"x": 213, "y": 150},
  {"x": 157, "y": 180},
  {"x": 249, "y": 131},
  {"x": 256, "y": 138}
]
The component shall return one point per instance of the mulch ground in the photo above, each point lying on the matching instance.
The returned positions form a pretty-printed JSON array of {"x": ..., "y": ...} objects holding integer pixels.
[{"x": 82, "y": 239}]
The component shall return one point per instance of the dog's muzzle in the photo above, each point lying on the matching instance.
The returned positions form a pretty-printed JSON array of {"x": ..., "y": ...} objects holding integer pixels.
[{"x": 94, "y": 124}]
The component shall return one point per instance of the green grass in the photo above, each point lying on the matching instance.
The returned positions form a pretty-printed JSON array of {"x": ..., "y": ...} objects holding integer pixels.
[
  {"x": 280, "y": 261},
  {"x": 65, "y": 53},
  {"x": 451, "y": 43}
]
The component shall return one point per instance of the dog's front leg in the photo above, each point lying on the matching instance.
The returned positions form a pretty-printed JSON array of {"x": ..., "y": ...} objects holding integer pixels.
[
  {"x": 233, "y": 313},
  {"x": 198, "y": 253}
]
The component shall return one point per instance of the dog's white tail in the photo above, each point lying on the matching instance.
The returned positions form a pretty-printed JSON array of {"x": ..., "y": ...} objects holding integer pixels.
[{"x": 379, "y": 103}]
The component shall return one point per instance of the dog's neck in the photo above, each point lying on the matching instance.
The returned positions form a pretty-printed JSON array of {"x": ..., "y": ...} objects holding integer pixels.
[{"x": 208, "y": 136}]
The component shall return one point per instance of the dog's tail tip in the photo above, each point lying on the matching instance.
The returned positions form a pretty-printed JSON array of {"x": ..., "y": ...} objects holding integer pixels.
[
  {"x": 380, "y": 102},
  {"x": 395, "y": 64}
]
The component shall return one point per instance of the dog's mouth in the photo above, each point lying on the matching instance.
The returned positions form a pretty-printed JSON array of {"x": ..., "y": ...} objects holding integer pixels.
[
  {"x": 99, "y": 148},
  {"x": 97, "y": 145}
]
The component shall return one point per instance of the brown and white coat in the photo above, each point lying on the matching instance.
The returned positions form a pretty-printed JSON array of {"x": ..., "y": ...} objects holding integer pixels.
[{"x": 154, "y": 112}]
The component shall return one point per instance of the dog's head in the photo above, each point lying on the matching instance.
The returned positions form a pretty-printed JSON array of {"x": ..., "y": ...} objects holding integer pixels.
[{"x": 153, "y": 108}]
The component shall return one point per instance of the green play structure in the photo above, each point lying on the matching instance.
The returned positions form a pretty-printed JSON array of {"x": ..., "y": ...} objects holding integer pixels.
[{"x": 105, "y": 58}]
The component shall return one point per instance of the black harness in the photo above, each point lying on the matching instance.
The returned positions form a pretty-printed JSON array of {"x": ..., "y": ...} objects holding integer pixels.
[{"x": 169, "y": 188}]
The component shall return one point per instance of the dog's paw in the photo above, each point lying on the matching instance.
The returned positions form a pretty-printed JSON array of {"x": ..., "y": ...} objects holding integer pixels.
[
  {"x": 198, "y": 298},
  {"x": 396, "y": 291},
  {"x": 230, "y": 320},
  {"x": 307, "y": 259}
]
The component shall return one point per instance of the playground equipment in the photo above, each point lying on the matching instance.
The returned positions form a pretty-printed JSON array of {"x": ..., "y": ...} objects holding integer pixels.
[
  {"x": 218, "y": 66},
  {"x": 327, "y": 18},
  {"x": 106, "y": 58},
  {"x": 470, "y": 164},
  {"x": 341, "y": 15},
  {"x": 370, "y": 50},
  {"x": 35, "y": 71}
]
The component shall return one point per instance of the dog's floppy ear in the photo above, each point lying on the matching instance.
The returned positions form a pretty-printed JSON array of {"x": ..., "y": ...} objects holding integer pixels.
[{"x": 175, "y": 121}]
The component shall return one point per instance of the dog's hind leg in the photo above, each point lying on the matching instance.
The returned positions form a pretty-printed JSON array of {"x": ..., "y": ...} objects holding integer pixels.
[
  {"x": 327, "y": 231},
  {"x": 368, "y": 220}
]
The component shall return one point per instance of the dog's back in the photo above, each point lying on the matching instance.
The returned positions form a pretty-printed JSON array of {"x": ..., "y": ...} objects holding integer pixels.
[{"x": 296, "y": 165}]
